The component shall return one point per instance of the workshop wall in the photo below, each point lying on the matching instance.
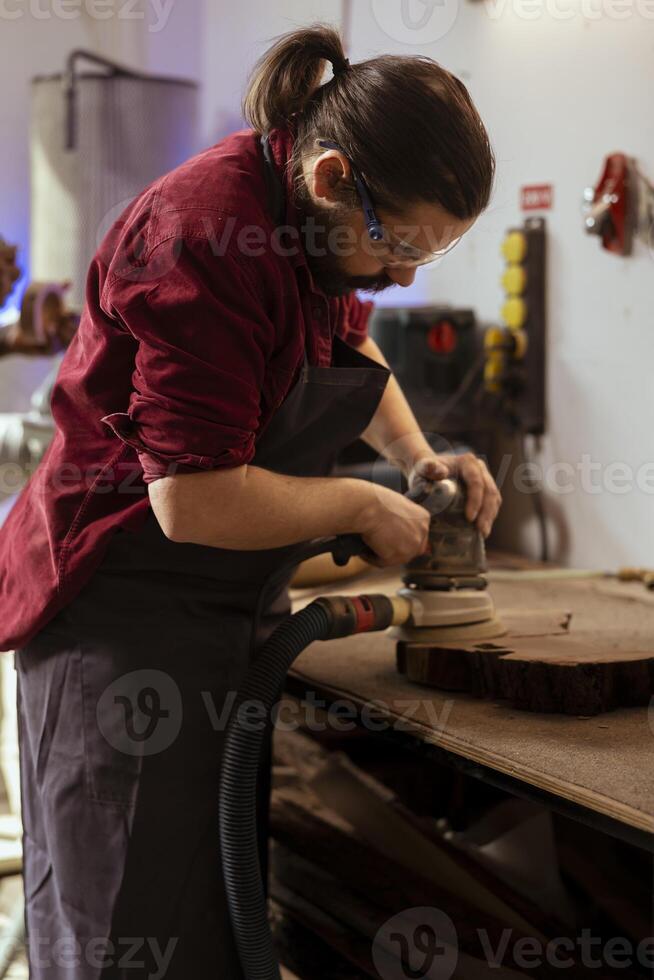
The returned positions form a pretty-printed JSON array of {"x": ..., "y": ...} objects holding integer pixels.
[
  {"x": 560, "y": 85},
  {"x": 236, "y": 35}
]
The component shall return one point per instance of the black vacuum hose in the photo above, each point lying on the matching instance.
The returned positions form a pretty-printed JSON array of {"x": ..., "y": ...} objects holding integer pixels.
[
  {"x": 328, "y": 617},
  {"x": 238, "y": 787}
]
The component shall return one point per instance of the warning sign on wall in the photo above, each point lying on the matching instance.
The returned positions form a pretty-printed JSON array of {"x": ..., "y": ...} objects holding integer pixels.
[{"x": 537, "y": 197}]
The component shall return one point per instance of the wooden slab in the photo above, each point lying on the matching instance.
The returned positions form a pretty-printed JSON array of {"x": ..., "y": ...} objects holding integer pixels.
[{"x": 578, "y": 673}]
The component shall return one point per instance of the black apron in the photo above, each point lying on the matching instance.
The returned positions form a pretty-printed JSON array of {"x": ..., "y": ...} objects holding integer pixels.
[{"x": 122, "y": 703}]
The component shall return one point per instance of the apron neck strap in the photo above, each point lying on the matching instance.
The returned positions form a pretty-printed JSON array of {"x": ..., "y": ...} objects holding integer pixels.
[
  {"x": 274, "y": 188},
  {"x": 276, "y": 199}
]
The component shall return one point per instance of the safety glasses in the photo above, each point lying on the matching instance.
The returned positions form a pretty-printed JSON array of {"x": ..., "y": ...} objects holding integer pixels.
[{"x": 384, "y": 244}]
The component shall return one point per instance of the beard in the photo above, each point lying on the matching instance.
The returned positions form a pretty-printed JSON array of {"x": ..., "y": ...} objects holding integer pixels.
[{"x": 320, "y": 227}]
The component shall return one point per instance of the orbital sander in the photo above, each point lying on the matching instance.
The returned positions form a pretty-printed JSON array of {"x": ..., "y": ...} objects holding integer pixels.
[{"x": 447, "y": 588}]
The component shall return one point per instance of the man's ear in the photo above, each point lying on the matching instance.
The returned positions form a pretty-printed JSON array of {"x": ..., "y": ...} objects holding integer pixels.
[{"x": 327, "y": 174}]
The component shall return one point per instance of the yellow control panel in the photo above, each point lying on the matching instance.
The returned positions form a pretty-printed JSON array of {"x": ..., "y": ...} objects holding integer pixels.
[{"x": 515, "y": 349}]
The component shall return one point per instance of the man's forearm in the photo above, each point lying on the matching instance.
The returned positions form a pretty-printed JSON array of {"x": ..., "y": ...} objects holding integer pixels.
[
  {"x": 394, "y": 431},
  {"x": 252, "y": 509}
]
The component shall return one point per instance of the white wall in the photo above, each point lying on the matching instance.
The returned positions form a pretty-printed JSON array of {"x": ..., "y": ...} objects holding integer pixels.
[
  {"x": 557, "y": 96},
  {"x": 236, "y": 35}
]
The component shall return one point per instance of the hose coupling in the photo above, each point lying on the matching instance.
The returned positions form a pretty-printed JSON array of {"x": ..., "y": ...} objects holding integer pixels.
[{"x": 363, "y": 613}]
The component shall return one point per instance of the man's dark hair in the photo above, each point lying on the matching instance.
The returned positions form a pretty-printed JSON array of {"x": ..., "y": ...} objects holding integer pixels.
[{"x": 407, "y": 124}]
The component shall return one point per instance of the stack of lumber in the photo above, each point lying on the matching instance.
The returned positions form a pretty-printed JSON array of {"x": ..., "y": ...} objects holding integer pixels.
[{"x": 363, "y": 887}]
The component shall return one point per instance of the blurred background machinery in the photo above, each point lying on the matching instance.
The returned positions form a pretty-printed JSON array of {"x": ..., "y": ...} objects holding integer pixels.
[
  {"x": 473, "y": 385},
  {"x": 98, "y": 137},
  {"x": 467, "y": 381},
  {"x": 9, "y": 271}
]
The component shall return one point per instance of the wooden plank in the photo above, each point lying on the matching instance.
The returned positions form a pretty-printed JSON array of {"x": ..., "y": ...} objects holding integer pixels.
[
  {"x": 585, "y": 673},
  {"x": 378, "y": 817},
  {"x": 301, "y": 949},
  {"x": 346, "y": 867},
  {"x": 343, "y": 887},
  {"x": 335, "y": 934},
  {"x": 333, "y": 788},
  {"x": 320, "y": 898}
]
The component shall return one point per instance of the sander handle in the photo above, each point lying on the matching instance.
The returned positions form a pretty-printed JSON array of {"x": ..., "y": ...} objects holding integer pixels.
[{"x": 346, "y": 546}]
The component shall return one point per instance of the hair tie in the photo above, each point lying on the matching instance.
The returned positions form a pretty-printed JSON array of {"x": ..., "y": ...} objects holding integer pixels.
[{"x": 340, "y": 67}]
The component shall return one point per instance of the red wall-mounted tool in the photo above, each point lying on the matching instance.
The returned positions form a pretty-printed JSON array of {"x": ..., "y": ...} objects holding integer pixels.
[{"x": 620, "y": 206}]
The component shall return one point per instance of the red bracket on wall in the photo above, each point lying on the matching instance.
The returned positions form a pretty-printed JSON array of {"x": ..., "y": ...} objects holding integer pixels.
[
  {"x": 620, "y": 206},
  {"x": 609, "y": 212}
]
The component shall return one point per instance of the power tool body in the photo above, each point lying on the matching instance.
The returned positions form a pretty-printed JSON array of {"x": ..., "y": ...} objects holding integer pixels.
[{"x": 447, "y": 587}]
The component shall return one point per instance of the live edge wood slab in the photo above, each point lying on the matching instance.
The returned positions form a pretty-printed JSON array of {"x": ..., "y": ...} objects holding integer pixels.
[
  {"x": 586, "y": 672},
  {"x": 602, "y": 762}
]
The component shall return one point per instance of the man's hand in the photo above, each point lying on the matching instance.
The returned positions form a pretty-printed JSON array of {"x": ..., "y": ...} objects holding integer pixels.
[
  {"x": 483, "y": 497},
  {"x": 394, "y": 528}
]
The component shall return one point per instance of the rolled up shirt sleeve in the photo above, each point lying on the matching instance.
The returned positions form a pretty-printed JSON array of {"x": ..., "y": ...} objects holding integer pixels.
[{"x": 203, "y": 342}]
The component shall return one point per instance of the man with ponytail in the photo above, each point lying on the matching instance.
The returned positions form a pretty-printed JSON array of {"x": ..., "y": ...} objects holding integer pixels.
[{"x": 221, "y": 364}]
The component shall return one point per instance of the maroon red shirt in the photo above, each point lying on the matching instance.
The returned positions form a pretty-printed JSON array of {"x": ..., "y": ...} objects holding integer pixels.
[{"x": 196, "y": 318}]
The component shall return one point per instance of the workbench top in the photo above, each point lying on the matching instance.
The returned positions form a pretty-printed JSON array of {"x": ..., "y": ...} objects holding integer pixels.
[{"x": 604, "y": 764}]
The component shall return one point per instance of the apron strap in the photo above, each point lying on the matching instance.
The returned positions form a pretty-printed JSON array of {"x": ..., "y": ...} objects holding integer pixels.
[
  {"x": 276, "y": 199},
  {"x": 274, "y": 188}
]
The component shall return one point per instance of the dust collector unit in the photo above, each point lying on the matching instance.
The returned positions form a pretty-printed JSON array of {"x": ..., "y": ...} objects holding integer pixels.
[{"x": 98, "y": 138}]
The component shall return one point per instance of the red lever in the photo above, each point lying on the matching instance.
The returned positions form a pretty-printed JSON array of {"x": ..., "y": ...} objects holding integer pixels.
[
  {"x": 611, "y": 210},
  {"x": 442, "y": 337}
]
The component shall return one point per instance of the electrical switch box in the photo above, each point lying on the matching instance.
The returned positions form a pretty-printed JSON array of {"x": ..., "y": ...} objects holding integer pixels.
[{"x": 515, "y": 370}]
